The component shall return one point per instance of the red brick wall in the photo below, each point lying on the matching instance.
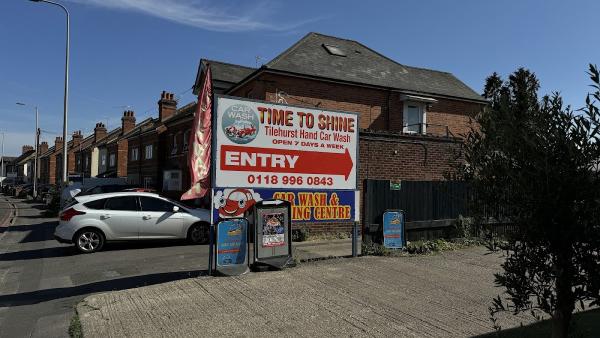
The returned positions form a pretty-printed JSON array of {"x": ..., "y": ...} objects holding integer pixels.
[
  {"x": 137, "y": 170},
  {"x": 456, "y": 115},
  {"x": 122, "y": 157}
]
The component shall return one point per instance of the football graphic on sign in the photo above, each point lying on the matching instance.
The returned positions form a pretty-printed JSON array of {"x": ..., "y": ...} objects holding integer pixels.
[{"x": 240, "y": 124}]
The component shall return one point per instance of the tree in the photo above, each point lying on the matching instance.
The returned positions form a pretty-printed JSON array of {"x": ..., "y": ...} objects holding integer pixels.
[{"x": 535, "y": 163}]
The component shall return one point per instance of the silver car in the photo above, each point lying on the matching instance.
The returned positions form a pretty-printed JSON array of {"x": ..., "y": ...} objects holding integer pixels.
[{"x": 90, "y": 221}]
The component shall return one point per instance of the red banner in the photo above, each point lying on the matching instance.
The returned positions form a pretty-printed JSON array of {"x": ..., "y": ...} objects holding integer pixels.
[{"x": 200, "y": 142}]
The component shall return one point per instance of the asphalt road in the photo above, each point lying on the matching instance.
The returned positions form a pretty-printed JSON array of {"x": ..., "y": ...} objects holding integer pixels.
[{"x": 41, "y": 280}]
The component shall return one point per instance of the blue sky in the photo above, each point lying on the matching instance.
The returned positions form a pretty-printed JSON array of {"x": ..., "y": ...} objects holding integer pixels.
[{"x": 125, "y": 52}]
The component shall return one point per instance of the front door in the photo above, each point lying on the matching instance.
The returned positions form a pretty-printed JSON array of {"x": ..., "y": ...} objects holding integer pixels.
[{"x": 159, "y": 220}]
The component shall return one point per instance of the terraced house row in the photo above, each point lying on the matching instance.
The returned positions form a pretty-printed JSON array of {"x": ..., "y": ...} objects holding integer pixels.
[{"x": 411, "y": 119}]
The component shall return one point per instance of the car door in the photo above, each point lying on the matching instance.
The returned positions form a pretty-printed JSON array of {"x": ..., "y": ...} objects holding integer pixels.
[
  {"x": 159, "y": 220},
  {"x": 122, "y": 215}
]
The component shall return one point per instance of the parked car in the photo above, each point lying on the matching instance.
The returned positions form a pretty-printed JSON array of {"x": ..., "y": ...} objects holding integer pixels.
[
  {"x": 91, "y": 220},
  {"x": 74, "y": 188},
  {"x": 103, "y": 189}
]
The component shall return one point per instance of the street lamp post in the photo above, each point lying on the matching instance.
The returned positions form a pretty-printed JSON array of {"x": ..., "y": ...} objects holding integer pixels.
[
  {"x": 37, "y": 142},
  {"x": 66, "y": 97}
]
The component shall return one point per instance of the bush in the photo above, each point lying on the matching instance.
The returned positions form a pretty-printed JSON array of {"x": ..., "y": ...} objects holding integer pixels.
[{"x": 300, "y": 235}]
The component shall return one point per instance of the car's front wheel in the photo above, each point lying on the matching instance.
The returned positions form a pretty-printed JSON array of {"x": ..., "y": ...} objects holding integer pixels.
[
  {"x": 198, "y": 234},
  {"x": 89, "y": 240}
]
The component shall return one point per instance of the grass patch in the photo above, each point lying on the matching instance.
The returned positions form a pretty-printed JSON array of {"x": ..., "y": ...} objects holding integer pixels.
[
  {"x": 422, "y": 247},
  {"x": 584, "y": 324},
  {"x": 75, "y": 327}
]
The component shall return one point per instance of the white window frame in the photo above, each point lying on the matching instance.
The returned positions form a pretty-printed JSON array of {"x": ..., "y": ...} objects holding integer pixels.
[
  {"x": 186, "y": 139},
  {"x": 148, "y": 152},
  {"x": 174, "y": 144},
  {"x": 423, "y": 118},
  {"x": 172, "y": 180},
  {"x": 147, "y": 182},
  {"x": 112, "y": 160},
  {"x": 103, "y": 160},
  {"x": 135, "y": 154}
]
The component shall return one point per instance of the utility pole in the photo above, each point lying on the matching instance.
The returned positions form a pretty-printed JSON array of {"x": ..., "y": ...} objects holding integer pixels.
[
  {"x": 36, "y": 142},
  {"x": 35, "y": 163}
]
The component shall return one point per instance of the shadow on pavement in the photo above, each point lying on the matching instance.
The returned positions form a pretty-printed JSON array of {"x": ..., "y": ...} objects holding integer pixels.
[
  {"x": 62, "y": 251},
  {"x": 37, "y": 254},
  {"x": 35, "y": 297},
  {"x": 38, "y": 232}
]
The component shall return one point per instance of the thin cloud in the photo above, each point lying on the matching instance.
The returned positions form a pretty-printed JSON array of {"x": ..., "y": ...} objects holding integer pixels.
[{"x": 199, "y": 14}]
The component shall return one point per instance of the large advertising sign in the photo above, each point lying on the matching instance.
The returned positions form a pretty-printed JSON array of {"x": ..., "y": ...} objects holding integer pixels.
[
  {"x": 268, "y": 145},
  {"x": 306, "y": 205}
]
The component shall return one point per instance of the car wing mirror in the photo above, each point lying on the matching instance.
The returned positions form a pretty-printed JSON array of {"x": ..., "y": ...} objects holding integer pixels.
[{"x": 175, "y": 208}]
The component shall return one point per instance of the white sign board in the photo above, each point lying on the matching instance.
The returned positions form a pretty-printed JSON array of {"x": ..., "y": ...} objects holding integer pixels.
[{"x": 268, "y": 145}]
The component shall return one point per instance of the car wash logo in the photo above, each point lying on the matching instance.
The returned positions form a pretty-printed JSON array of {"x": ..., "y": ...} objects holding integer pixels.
[
  {"x": 240, "y": 124},
  {"x": 235, "y": 202}
]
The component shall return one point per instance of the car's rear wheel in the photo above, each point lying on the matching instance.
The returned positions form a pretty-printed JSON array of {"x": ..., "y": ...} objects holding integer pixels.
[
  {"x": 198, "y": 233},
  {"x": 89, "y": 240}
]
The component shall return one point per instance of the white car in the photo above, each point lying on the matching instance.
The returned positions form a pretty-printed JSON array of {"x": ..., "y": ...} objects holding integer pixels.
[{"x": 90, "y": 221}]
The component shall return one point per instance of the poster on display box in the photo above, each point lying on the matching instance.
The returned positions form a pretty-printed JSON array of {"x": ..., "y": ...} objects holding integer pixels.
[
  {"x": 307, "y": 205},
  {"x": 275, "y": 146},
  {"x": 273, "y": 230}
]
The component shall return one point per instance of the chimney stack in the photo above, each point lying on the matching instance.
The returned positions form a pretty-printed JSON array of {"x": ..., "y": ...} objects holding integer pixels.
[
  {"x": 58, "y": 143},
  {"x": 99, "y": 132},
  {"x": 25, "y": 149},
  {"x": 77, "y": 137},
  {"x": 127, "y": 121},
  {"x": 43, "y": 147},
  {"x": 166, "y": 106}
]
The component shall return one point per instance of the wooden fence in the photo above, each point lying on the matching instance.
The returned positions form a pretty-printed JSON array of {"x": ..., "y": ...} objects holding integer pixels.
[{"x": 431, "y": 207}]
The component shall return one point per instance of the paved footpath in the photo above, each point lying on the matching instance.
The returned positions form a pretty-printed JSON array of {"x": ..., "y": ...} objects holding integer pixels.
[{"x": 445, "y": 295}]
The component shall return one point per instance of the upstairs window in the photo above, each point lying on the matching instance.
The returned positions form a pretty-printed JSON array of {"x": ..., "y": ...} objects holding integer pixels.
[
  {"x": 135, "y": 154},
  {"x": 174, "y": 144},
  {"x": 111, "y": 160},
  {"x": 186, "y": 140},
  {"x": 415, "y": 118},
  {"x": 148, "y": 151}
]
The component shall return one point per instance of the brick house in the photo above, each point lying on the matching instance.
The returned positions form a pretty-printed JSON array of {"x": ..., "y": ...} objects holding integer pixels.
[
  {"x": 116, "y": 148},
  {"x": 48, "y": 163},
  {"x": 167, "y": 170},
  {"x": 411, "y": 119},
  {"x": 24, "y": 164},
  {"x": 107, "y": 161},
  {"x": 88, "y": 152},
  {"x": 142, "y": 165},
  {"x": 82, "y": 157}
]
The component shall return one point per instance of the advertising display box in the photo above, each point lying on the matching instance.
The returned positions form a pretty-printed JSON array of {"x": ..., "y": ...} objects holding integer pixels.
[
  {"x": 232, "y": 246},
  {"x": 394, "y": 232},
  {"x": 273, "y": 234}
]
